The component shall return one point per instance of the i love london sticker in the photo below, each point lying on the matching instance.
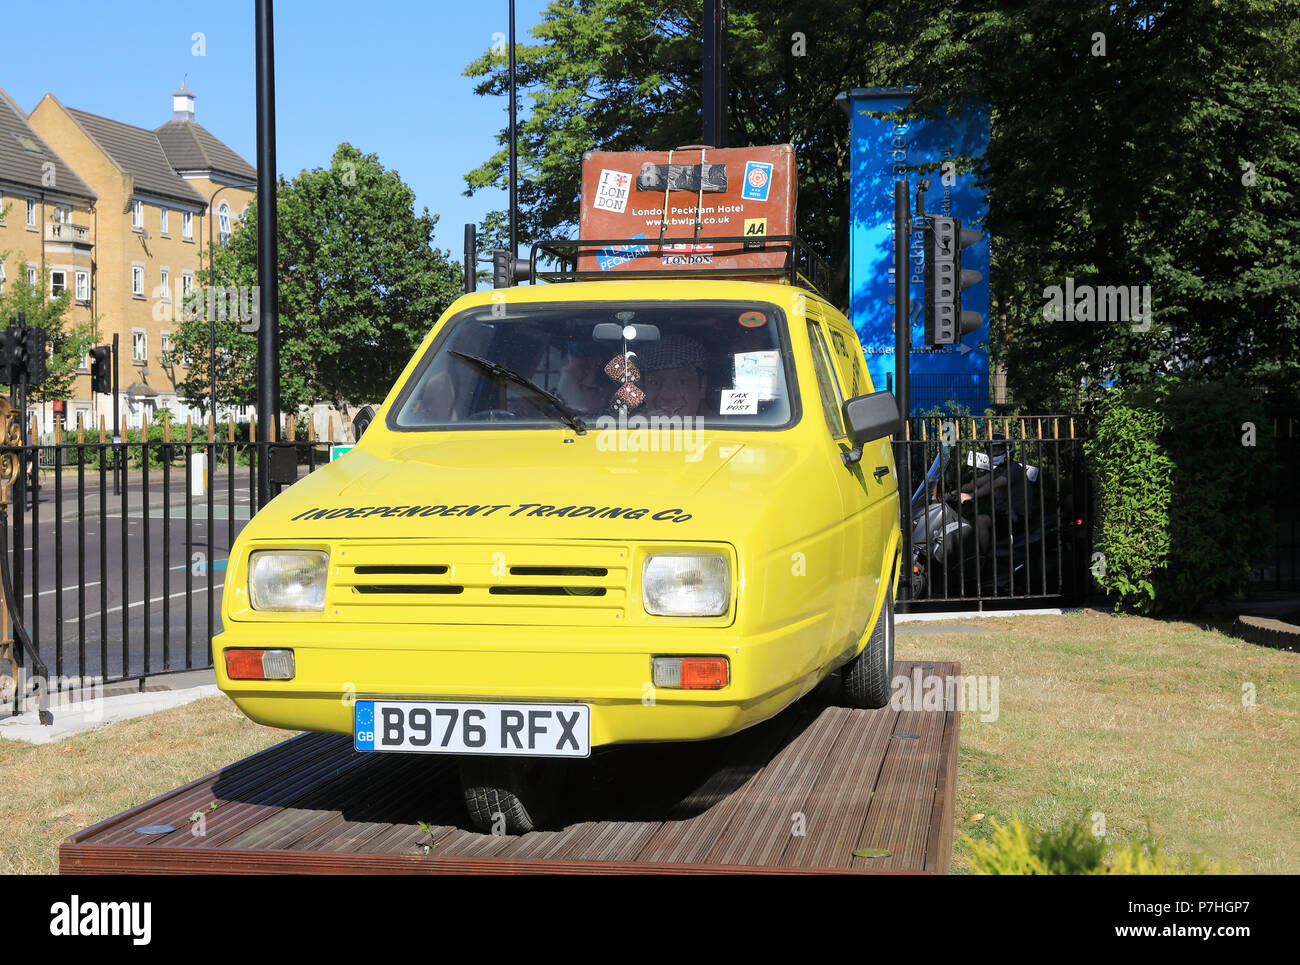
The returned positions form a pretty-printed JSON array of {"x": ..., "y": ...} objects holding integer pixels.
[{"x": 612, "y": 191}]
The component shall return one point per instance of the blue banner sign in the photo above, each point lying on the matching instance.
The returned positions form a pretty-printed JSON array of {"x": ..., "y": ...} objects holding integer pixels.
[{"x": 880, "y": 150}]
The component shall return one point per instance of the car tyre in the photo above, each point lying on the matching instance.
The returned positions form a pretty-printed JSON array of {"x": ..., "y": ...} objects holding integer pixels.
[
  {"x": 510, "y": 795},
  {"x": 867, "y": 676}
]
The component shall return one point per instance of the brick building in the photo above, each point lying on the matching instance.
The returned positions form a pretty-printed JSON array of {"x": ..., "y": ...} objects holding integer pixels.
[{"x": 123, "y": 214}]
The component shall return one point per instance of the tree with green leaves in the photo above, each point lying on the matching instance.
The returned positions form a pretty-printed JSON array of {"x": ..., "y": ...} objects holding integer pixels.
[
  {"x": 624, "y": 75},
  {"x": 360, "y": 286},
  {"x": 69, "y": 341},
  {"x": 1137, "y": 143}
]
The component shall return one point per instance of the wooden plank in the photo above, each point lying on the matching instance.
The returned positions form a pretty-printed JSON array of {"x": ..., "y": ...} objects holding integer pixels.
[
  {"x": 122, "y": 826},
  {"x": 837, "y": 808},
  {"x": 696, "y": 824},
  {"x": 229, "y": 788},
  {"x": 82, "y": 859},
  {"x": 233, "y": 821},
  {"x": 938, "y": 845},
  {"x": 313, "y": 805},
  {"x": 762, "y": 819},
  {"x": 397, "y": 789},
  {"x": 898, "y": 817}
]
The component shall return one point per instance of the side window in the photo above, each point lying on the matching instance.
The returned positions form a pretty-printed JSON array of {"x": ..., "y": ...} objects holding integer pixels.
[
  {"x": 850, "y": 365},
  {"x": 826, "y": 385}
]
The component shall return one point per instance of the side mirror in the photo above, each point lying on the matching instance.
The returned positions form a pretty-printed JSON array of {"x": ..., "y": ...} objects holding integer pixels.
[
  {"x": 868, "y": 418},
  {"x": 361, "y": 421}
]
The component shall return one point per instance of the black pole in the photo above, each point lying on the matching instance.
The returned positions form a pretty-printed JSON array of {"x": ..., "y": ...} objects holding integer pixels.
[
  {"x": 471, "y": 259},
  {"x": 902, "y": 305},
  {"x": 514, "y": 150},
  {"x": 902, "y": 370},
  {"x": 117, "y": 452},
  {"x": 268, "y": 335},
  {"x": 21, "y": 337},
  {"x": 715, "y": 73}
]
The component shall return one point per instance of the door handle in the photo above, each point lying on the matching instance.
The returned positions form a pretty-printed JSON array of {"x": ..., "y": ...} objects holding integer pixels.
[{"x": 880, "y": 471}]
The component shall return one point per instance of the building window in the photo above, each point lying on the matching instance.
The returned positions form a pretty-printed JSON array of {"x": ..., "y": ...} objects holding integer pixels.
[
  {"x": 164, "y": 286},
  {"x": 137, "y": 280},
  {"x": 31, "y": 276},
  {"x": 62, "y": 214},
  {"x": 137, "y": 215},
  {"x": 31, "y": 212},
  {"x": 139, "y": 346},
  {"x": 187, "y": 225},
  {"x": 165, "y": 348},
  {"x": 2, "y": 277},
  {"x": 83, "y": 286},
  {"x": 162, "y": 221},
  {"x": 187, "y": 283},
  {"x": 58, "y": 283},
  {"x": 223, "y": 222}
]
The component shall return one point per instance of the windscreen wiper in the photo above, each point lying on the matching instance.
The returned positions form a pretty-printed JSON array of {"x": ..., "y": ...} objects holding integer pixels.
[{"x": 510, "y": 375}]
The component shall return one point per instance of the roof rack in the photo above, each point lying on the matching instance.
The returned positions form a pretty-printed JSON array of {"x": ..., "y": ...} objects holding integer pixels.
[{"x": 803, "y": 266}]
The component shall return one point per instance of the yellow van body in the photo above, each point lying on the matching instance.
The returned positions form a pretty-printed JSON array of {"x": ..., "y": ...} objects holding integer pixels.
[{"x": 812, "y": 546}]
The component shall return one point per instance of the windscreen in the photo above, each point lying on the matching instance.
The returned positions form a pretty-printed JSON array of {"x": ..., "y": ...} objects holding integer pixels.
[{"x": 723, "y": 363}]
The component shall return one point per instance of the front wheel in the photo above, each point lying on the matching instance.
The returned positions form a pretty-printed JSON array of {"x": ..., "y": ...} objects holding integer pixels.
[
  {"x": 866, "y": 677},
  {"x": 510, "y": 795}
]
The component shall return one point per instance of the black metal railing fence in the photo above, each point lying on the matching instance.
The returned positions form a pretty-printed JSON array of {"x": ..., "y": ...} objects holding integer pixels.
[
  {"x": 117, "y": 551},
  {"x": 994, "y": 512}
]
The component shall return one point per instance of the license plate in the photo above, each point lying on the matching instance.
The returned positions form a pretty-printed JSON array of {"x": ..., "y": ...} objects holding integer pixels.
[{"x": 444, "y": 727}]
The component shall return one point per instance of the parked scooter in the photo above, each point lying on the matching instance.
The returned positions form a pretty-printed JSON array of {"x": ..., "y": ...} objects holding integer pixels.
[{"x": 979, "y": 527}]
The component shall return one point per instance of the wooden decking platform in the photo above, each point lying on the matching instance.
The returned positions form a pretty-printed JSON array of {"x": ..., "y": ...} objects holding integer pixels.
[{"x": 801, "y": 792}]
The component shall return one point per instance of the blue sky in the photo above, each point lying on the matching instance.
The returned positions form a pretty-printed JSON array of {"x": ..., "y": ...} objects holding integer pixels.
[{"x": 384, "y": 75}]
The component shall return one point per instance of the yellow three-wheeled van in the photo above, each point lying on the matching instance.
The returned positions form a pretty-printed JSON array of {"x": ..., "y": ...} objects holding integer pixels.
[{"x": 587, "y": 514}]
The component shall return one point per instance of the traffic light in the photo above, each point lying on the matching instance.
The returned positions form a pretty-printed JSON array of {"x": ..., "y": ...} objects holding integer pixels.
[
  {"x": 501, "y": 268},
  {"x": 8, "y": 341},
  {"x": 101, "y": 369},
  {"x": 507, "y": 270},
  {"x": 17, "y": 351},
  {"x": 35, "y": 344},
  {"x": 945, "y": 280}
]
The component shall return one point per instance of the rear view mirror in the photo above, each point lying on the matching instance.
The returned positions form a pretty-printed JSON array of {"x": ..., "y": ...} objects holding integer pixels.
[
  {"x": 613, "y": 332},
  {"x": 868, "y": 418},
  {"x": 361, "y": 421}
]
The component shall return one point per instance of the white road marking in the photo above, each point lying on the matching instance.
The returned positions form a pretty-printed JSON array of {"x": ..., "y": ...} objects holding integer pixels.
[
  {"x": 73, "y": 586},
  {"x": 157, "y": 599}
]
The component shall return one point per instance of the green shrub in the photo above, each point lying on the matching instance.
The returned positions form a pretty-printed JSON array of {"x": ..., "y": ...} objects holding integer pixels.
[
  {"x": 1021, "y": 849},
  {"x": 1181, "y": 515}
]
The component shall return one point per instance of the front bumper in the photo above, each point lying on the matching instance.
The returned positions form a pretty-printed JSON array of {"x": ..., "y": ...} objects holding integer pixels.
[{"x": 335, "y": 666}]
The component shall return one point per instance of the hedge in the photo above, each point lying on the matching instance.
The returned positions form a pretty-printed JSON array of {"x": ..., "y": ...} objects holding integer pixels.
[{"x": 1181, "y": 509}]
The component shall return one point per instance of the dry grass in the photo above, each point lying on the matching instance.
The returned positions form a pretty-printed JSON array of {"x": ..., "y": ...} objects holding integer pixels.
[
  {"x": 53, "y": 790},
  {"x": 1140, "y": 720}
]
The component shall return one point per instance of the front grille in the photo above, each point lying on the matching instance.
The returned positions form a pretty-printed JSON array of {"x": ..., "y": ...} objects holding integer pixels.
[{"x": 558, "y": 584}]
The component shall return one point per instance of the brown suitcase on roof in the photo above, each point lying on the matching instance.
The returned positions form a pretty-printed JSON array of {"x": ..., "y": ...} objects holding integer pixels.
[{"x": 686, "y": 194}]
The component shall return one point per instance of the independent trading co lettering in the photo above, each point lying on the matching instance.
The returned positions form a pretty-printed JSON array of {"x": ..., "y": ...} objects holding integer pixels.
[{"x": 516, "y": 509}]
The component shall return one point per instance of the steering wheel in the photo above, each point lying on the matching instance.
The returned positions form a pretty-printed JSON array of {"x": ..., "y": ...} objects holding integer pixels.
[{"x": 492, "y": 415}]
